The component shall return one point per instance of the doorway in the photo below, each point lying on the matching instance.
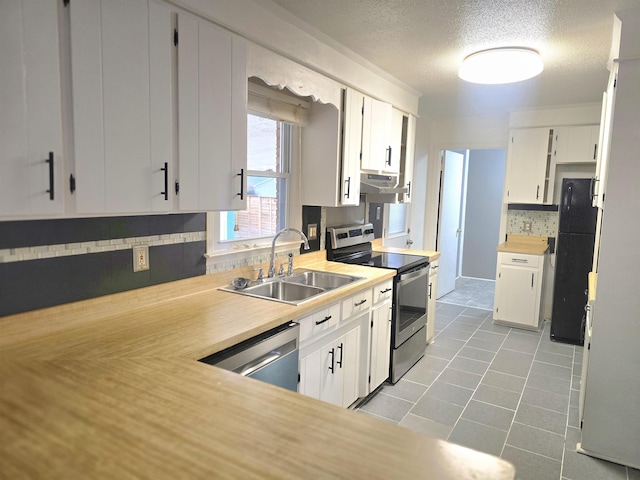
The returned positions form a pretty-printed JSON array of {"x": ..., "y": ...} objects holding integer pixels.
[{"x": 470, "y": 204}]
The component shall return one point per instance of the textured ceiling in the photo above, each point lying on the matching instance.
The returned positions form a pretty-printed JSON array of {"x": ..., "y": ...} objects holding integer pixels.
[{"x": 422, "y": 42}]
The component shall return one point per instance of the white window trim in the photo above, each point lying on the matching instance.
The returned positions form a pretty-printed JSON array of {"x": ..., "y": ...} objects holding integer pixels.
[{"x": 229, "y": 249}]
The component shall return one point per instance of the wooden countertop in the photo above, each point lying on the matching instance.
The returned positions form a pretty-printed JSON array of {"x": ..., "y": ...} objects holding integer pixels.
[
  {"x": 377, "y": 246},
  {"x": 528, "y": 244},
  {"x": 109, "y": 388},
  {"x": 593, "y": 285}
]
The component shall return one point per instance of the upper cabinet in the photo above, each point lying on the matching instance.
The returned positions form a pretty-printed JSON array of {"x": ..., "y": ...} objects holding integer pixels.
[
  {"x": 606, "y": 132},
  {"x": 31, "y": 155},
  {"x": 212, "y": 117},
  {"x": 576, "y": 144},
  {"x": 331, "y": 144},
  {"x": 529, "y": 166},
  {"x": 377, "y": 151},
  {"x": 407, "y": 146},
  {"x": 122, "y": 104}
]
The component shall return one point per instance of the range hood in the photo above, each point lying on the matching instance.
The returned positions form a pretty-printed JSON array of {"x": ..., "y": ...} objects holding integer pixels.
[{"x": 380, "y": 188}]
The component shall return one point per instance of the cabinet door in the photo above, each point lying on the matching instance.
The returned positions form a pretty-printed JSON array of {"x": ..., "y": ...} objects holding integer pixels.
[
  {"x": 30, "y": 102},
  {"x": 408, "y": 157},
  {"x": 606, "y": 132},
  {"x": 376, "y": 126},
  {"x": 121, "y": 105},
  {"x": 396, "y": 141},
  {"x": 212, "y": 117},
  {"x": 380, "y": 344},
  {"x": 517, "y": 295},
  {"x": 352, "y": 147},
  {"x": 528, "y": 160},
  {"x": 577, "y": 144},
  {"x": 350, "y": 364},
  {"x": 332, "y": 372},
  {"x": 310, "y": 374}
]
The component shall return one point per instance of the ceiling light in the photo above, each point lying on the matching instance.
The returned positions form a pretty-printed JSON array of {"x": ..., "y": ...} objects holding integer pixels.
[{"x": 501, "y": 65}]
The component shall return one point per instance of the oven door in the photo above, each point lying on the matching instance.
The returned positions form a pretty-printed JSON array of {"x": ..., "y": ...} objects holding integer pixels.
[{"x": 410, "y": 313}]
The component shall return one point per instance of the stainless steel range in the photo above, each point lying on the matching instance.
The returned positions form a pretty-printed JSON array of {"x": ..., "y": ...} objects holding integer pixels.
[{"x": 352, "y": 244}]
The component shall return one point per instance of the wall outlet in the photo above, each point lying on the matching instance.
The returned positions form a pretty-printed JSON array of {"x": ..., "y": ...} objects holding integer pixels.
[
  {"x": 526, "y": 227},
  {"x": 140, "y": 258}
]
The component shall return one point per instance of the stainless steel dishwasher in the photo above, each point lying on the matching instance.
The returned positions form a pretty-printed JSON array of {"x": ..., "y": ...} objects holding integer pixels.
[{"x": 271, "y": 357}]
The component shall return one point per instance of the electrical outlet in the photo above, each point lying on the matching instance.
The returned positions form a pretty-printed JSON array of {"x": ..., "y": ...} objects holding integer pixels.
[
  {"x": 312, "y": 231},
  {"x": 526, "y": 227},
  {"x": 140, "y": 258}
]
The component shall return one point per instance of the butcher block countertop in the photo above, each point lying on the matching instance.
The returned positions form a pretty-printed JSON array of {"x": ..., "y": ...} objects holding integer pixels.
[
  {"x": 528, "y": 244},
  {"x": 593, "y": 285},
  {"x": 110, "y": 388}
]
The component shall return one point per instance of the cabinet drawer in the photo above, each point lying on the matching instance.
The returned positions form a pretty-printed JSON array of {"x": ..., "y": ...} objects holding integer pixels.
[
  {"x": 382, "y": 292},
  {"x": 319, "y": 321},
  {"x": 357, "y": 303},
  {"x": 525, "y": 260}
]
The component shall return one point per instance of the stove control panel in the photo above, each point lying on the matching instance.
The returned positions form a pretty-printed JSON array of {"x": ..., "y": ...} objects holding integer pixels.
[{"x": 350, "y": 235}]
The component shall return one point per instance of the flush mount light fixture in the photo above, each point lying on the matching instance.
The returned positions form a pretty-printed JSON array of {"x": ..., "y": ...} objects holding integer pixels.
[{"x": 501, "y": 65}]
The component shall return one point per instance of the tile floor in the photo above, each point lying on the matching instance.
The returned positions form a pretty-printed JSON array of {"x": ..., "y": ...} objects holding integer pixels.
[
  {"x": 472, "y": 292},
  {"x": 508, "y": 392}
]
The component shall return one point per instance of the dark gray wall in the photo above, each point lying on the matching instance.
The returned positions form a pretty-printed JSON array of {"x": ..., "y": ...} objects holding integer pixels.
[{"x": 485, "y": 182}]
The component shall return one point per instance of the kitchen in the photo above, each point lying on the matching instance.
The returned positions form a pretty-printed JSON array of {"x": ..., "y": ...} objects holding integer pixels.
[{"x": 191, "y": 230}]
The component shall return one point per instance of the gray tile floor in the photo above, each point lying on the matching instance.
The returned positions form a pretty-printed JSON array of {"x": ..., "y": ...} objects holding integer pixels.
[
  {"x": 472, "y": 292},
  {"x": 505, "y": 391}
]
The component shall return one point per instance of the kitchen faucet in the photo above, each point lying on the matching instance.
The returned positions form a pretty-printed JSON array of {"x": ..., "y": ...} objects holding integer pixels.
[{"x": 272, "y": 267}]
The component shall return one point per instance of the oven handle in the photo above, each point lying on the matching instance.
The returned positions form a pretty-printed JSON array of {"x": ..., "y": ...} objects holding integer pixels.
[{"x": 414, "y": 274}]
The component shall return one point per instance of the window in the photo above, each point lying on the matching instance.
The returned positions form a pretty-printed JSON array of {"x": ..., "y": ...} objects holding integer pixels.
[
  {"x": 397, "y": 219},
  {"x": 268, "y": 182}
]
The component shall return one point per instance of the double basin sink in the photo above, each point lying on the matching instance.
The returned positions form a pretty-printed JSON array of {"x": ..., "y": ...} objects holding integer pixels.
[{"x": 294, "y": 289}]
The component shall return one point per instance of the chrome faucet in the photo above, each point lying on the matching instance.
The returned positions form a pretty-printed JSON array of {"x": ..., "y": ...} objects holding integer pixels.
[{"x": 272, "y": 267}]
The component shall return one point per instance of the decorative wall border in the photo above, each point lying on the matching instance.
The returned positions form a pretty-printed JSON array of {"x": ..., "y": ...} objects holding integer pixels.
[{"x": 82, "y": 248}]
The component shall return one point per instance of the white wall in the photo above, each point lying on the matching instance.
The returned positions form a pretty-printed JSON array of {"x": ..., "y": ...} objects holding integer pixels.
[{"x": 432, "y": 136}]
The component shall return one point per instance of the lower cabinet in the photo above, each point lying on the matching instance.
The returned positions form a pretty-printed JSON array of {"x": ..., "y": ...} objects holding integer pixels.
[
  {"x": 345, "y": 347},
  {"x": 519, "y": 290},
  {"x": 330, "y": 372}
]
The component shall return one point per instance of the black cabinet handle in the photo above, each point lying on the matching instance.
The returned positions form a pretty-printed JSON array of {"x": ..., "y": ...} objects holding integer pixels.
[
  {"x": 388, "y": 162},
  {"x": 409, "y": 190},
  {"x": 325, "y": 319},
  {"x": 72, "y": 183},
  {"x": 357, "y": 304},
  {"x": 332, "y": 352},
  {"x": 348, "y": 182},
  {"x": 385, "y": 290},
  {"x": 532, "y": 280},
  {"x": 430, "y": 285},
  {"x": 595, "y": 151},
  {"x": 165, "y": 169},
  {"x": 241, "y": 175},
  {"x": 51, "y": 175},
  {"x": 340, "y": 361},
  {"x": 537, "y": 192}
]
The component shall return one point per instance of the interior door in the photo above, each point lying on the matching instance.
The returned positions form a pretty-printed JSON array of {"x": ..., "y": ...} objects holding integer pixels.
[{"x": 449, "y": 227}]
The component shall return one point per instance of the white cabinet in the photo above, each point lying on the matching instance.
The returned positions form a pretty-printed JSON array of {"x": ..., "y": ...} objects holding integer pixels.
[
  {"x": 212, "y": 117},
  {"x": 576, "y": 144},
  {"x": 330, "y": 371},
  {"x": 407, "y": 156},
  {"x": 121, "y": 74},
  {"x": 358, "y": 303},
  {"x": 31, "y": 156},
  {"x": 376, "y": 137},
  {"x": 518, "y": 293},
  {"x": 380, "y": 335},
  {"x": 606, "y": 123},
  {"x": 431, "y": 300},
  {"x": 331, "y": 144},
  {"x": 528, "y": 166}
]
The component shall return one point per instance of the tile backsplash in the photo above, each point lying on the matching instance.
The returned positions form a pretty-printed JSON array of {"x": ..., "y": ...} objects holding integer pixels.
[
  {"x": 543, "y": 223},
  {"x": 44, "y": 263}
]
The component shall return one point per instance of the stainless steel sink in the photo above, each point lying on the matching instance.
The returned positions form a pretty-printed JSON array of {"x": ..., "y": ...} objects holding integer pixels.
[
  {"x": 303, "y": 285},
  {"x": 285, "y": 291},
  {"x": 324, "y": 280}
]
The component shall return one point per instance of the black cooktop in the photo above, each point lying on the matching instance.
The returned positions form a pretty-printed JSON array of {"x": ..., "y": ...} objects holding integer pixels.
[{"x": 395, "y": 261}]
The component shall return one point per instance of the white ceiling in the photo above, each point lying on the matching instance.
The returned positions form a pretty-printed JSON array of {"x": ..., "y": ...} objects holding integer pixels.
[{"x": 422, "y": 42}]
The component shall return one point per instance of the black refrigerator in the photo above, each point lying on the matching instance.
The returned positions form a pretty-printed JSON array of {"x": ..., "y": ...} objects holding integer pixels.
[{"x": 574, "y": 258}]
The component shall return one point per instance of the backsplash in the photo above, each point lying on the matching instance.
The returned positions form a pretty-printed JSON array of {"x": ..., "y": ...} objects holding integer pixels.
[
  {"x": 543, "y": 223},
  {"x": 51, "y": 262}
]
